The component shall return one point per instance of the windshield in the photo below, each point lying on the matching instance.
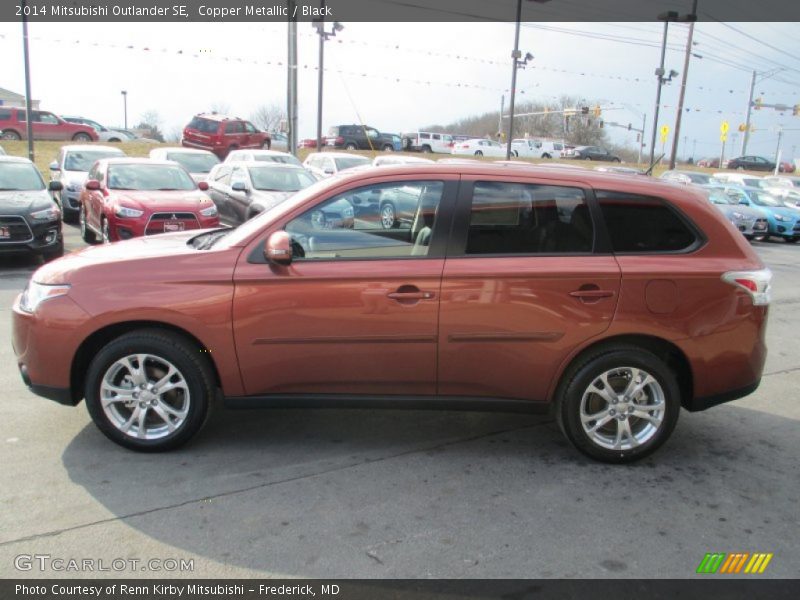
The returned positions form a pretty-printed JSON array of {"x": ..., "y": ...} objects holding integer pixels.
[
  {"x": 349, "y": 162},
  {"x": 698, "y": 177},
  {"x": 19, "y": 177},
  {"x": 278, "y": 158},
  {"x": 149, "y": 177},
  {"x": 718, "y": 196},
  {"x": 83, "y": 160},
  {"x": 279, "y": 179},
  {"x": 194, "y": 162},
  {"x": 763, "y": 199}
]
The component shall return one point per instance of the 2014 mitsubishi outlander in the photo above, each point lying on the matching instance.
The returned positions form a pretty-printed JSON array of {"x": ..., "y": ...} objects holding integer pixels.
[{"x": 610, "y": 300}]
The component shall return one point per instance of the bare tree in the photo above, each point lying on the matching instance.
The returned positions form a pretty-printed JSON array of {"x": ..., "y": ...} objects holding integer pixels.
[
  {"x": 268, "y": 117},
  {"x": 149, "y": 122}
]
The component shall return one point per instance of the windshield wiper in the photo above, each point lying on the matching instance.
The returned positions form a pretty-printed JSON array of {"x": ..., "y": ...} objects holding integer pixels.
[{"x": 209, "y": 239}]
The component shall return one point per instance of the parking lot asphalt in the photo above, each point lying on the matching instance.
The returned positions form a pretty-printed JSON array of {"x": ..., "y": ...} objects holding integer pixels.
[{"x": 358, "y": 493}]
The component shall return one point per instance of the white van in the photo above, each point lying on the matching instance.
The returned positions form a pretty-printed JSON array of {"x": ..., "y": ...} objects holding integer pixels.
[
  {"x": 536, "y": 148},
  {"x": 425, "y": 141}
]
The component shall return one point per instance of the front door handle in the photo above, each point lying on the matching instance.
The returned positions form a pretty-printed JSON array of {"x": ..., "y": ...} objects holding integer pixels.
[
  {"x": 418, "y": 295},
  {"x": 591, "y": 294}
]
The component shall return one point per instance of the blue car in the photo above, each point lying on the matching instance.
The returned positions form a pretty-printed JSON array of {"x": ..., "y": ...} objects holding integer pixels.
[{"x": 782, "y": 221}]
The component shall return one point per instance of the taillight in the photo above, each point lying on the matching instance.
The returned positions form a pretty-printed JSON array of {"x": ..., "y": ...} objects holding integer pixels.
[
  {"x": 340, "y": 140},
  {"x": 755, "y": 283}
]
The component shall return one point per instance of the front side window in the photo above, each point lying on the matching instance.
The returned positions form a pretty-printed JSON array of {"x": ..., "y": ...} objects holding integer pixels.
[
  {"x": 521, "y": 218},
  {"x": 193, "y": 162},
  {"x": 235, "y": 127},
  {"x": 399, "y": 224},
  {"x": 47, "y": 118},
  {"x": 249, "y": 127},
  {"x": 643, "y": 224}
]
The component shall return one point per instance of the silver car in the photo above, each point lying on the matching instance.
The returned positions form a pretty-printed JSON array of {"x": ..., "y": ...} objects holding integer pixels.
[
  {"x": 750, "y": 221},
  {"x": 198, "y": 162},
  {"x": 70, "y": 168}
]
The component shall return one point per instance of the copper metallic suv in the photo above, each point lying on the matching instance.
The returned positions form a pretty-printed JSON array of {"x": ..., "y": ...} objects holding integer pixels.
[{"x": 611, "y": 301}]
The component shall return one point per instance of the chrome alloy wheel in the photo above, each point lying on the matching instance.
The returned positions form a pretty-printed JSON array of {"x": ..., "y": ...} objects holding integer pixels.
[
  {"x": 145, "y": 396},
  {"x": 622, "y": 408},
  {"x": 387, "y": 216}
]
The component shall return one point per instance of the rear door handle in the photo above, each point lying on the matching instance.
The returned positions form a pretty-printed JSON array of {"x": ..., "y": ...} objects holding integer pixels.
[{"x": 591, "y": 294}]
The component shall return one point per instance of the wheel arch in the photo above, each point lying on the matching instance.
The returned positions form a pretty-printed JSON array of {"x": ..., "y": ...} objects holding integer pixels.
[
  {"x": 672, "y": 356},
  {"x": 94, "y": 342}
]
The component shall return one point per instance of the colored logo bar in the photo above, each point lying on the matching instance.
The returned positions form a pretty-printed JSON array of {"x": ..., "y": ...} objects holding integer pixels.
[{"x": 734, "y": 563}]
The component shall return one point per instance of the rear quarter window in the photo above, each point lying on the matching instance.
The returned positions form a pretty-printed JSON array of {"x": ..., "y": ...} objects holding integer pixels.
[
  {"x": 645, "y": 224},
  {"x": 5, "y": 115}
]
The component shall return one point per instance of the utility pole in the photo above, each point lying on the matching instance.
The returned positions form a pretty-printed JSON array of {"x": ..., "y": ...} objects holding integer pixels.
[
  {"x": 692, "y": 18},
  {"x": 28, "y": 103},
  {"x": 746, "y": 136},
  {"x": 319, "y": 87},
  {"x": 660, "y": 77},
  {"x": 515, "y": 56},
  {"x": 778, "y": 151},
  {"x": 291, "y": 87},
  {"x": 500, "y": 121}
]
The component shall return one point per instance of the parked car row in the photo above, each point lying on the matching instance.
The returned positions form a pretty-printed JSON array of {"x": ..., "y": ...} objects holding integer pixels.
[{"x": 48, "y": 126}]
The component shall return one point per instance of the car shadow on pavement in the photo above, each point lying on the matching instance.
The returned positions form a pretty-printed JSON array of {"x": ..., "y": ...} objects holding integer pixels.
[{"x": 359, "y": 493}]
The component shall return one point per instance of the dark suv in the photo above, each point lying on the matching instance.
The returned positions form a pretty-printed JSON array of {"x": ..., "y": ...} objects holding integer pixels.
[
  {"x": 221, "y": 134},
  {"x": 359, "y": 137}
]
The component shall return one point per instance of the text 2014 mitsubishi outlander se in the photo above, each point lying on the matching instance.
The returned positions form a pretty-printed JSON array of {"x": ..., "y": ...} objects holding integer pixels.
[{"x": 610, "y": 300}]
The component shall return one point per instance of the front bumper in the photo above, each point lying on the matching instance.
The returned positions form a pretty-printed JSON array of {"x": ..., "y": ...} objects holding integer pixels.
[
  {"x": 70, "y": 202},
  {"x": 25, "y": 237}
]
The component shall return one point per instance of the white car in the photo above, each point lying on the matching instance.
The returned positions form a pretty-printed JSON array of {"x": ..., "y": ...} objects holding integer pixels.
[
  {"x": 533, "y": 148},
  {"x": 198, "y": 162},
  {"x": 741, "y": 179},
  {"x": 262, "y": 155},
  {"x": 2, "y": 152},
  {"x": 280, "y": 141},
  {"x": 325, "y": 164},
  {"x": 480, "y": 147},
  {"x": 427, "y": 142},
  {"x": 782, "y": 182},
  {"x": 105, "y": 134},
  {"x": 384, "y": 160},
  {"x": 71, "y": 167}
]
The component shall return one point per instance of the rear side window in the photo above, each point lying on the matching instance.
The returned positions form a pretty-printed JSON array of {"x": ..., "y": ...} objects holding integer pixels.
[
  {"x": 644, "y": 224},
  {"x": 204, "y": 125},
  {"x": 234, "y": 127},
  {"x": 517, "y": 218},
  {"x": 5, "y": 115}
]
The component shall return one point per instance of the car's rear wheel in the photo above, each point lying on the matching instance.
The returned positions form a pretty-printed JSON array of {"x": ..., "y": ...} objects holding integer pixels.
[
  {"x": 426, "y": 149},
  {"x": 87, "y": 234},
  {"x": 81, "y": 137},
  {"x": 618, "y": 404},
  {"x": 546, "y": 155},
  {"x": 388, "y": 216},
  {"x": 149, "y": 390},
  {"x": 10, "y": 135},
  {"x": 478, "y": 153},
  {"x": 350, "y": 146},
  {"x": 388, "y": 148}
]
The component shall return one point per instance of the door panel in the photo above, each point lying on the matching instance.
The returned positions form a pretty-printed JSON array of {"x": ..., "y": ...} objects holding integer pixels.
[
  {"x": 332, "y": 327},
  {"x": 507, "y": 323}
]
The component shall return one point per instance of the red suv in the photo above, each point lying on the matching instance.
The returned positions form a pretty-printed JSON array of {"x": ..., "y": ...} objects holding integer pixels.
[
  {"x": 45, "y": 125},
  {"x": 221, "y": 134},
  {"x": 131, "y": 197},
  {"x": 612, "y": 301}
]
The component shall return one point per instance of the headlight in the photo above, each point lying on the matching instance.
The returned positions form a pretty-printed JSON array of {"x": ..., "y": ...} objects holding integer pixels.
[
  {"x": 128, "y": 213},
  {"x": 738, "y": 216},
  {"x": 781, "y": 218},
  {"x": 51, "y": 213},
  {"x": 209, "y": 212},
  {"x": 36, "y": 293}
]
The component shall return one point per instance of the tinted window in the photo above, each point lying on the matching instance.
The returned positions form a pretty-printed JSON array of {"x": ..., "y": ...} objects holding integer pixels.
[
  {"x": 517, "y": 218},
  {"x": 330, "y": 229},
  {"x": 643, "y": 224},
  {"x": 235, "y": 127},
  {"x": 349, "y": 162},
  {"x": 250, "y": 128},
  {"x": 204, "y": 125}
]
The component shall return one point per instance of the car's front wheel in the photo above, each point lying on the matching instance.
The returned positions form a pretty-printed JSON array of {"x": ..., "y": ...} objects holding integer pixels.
[
  {"x": 388, "y": 216},
  {"x": 87, "y": 234},
  {"x": 149, "y": 390},
  {"x": 618, "y": 404},
  {"x": 81, "y": 137}
]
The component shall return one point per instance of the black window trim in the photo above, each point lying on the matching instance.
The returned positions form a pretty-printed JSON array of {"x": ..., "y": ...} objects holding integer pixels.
[
  {"x": 460, "y": 228},
  {"x": 441, "y": 233}
]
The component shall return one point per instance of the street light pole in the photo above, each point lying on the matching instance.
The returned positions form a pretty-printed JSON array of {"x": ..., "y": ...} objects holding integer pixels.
[
  {"x": 291, "y": 88},
  {"x": 660, "y": 78},
  {"x": 28, "y": 102},
  {"x": 125, "y": 107},
  {"x": 319, "y": 83},
  {"x": 515, "y": 56},
  {"x": 753, "y": 82}
]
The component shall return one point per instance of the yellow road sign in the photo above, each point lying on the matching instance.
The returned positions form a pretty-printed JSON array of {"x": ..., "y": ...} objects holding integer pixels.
[
  {"x": 664, "y": 130},
  {"x": 723, "y": 129}
]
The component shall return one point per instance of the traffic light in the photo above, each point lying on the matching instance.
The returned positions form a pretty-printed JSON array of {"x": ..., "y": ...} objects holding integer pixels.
[
  {"x": 796, "y": 110},
  {"x": 757, "y": 104}
]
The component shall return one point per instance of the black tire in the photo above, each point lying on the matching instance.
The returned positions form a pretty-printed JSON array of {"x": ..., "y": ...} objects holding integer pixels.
[
  {"x": 176, "y": 349},
  {"x": 792, "y": 240},
  {"x": 350, "y": 146},
  {"x": 388, "y": 216},
  {"x": 426, "y": 149},
  {"x": 266, "y": 145},
  {"x": 81, "y": 137},
  {"x": 388, "y": 148},
  {"x": 546, "y": 155},
  {"x": 11, "y": 135},
  {"x": 587, "y": 158},
  {"x": 87, "y": 234},
  {"x": 749, "y": 238},
  {"x": 53, "y": 254},
  {"x": 616, "y": 160},
  {"x": 585, "y": 371},
  {"x": 115, "y": 140},
  {"x": 478, "y": 153},
  {"x": 740, "y": 168}
]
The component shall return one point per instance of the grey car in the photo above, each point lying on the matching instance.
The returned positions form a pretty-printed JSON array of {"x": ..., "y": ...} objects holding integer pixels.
[{"x": 750, "y": 221}]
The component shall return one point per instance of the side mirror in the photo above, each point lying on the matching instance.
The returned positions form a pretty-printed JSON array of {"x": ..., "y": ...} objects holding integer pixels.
[
  {"x": 202, "y": 186},
  {"x": 239, "y": 186},
  {"x": 278, "y": 249},
  {"x": 93, "y": 184},
  {"x": 55, "y": 186},
  {"x": 328, "y": 171},
  {"x": 54, "y": 166}
]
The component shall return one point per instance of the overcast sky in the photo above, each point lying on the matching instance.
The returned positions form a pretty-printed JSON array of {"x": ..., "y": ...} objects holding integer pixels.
[{"x": 189, "y": 67}]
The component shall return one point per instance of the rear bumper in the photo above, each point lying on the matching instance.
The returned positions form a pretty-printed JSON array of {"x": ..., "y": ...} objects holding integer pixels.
[{"x": 699, "y": 404}]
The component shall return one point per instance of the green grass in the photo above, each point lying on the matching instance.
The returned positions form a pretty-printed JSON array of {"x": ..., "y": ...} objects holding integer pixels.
[{"x": 46, "y": 152}]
